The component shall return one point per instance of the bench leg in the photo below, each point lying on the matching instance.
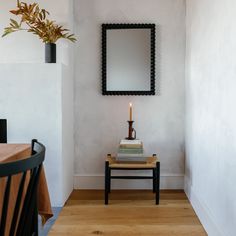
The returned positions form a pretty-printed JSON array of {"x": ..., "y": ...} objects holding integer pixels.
[
  {"x": 107, "y": 180},
  {"x": 158, "y": 183},
  {"x": 154, "y": 180}
]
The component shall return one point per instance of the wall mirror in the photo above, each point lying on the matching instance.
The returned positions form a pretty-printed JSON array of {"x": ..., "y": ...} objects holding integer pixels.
[{"x": 128, "y": 59}]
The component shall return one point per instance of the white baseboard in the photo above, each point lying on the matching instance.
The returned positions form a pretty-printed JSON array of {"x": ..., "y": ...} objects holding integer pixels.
[
  {"x": 97, "y": 182},
  {"x": 202, "y": 211}
]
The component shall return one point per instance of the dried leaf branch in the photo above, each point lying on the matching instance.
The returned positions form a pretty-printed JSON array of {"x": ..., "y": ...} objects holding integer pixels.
[{"x": 35, "y": 21}]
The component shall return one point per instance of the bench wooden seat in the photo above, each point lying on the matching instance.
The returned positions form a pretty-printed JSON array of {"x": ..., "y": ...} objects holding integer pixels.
[{"x": 150, "y": 163}]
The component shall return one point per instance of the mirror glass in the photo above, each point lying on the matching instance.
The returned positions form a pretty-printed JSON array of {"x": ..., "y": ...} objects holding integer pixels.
[{"x": 128, "y": 59}]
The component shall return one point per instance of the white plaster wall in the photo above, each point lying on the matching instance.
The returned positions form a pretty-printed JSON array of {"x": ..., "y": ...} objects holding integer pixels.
[
  {"x": 210, "y": 113},
  {"x": 37, "y": 101},
  {"x": 100, "y": 121},
  {"x": 67, "y": 125}
]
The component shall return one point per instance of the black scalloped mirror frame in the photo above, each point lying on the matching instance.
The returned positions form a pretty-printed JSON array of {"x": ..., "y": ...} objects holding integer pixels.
[{"x": 106, "y": 27}]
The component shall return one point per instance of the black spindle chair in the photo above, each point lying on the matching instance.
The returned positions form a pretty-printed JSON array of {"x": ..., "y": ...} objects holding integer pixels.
[
  {"x": 24, "y": 220},
  {"x": 3, "y": 131}
]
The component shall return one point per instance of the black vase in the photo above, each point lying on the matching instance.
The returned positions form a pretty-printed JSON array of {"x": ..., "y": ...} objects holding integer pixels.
[{"x": 50, "y": 53}]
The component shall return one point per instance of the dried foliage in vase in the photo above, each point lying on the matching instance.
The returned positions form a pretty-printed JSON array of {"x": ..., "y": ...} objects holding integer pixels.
[{"x": 36, "y": 22}]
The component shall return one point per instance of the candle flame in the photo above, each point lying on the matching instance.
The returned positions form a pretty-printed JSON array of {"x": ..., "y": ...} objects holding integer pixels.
[{"x": 130, "y": 104}]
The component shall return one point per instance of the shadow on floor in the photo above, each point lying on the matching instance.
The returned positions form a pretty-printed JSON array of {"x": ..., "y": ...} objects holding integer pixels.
[{"x": 43, "y": 230}]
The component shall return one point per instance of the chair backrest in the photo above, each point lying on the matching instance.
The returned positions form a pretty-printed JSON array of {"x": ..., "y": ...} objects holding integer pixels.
[
  {"x": 3, "y": 131},
  {"x": 24, "y": 218}
]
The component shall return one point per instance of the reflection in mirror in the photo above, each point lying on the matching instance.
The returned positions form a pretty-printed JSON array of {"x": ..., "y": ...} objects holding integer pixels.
[{"x": 128, "y": 59}]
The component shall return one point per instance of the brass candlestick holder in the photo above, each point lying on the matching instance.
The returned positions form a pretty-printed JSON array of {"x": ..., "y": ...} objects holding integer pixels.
[{"x": 131, "y": 131}]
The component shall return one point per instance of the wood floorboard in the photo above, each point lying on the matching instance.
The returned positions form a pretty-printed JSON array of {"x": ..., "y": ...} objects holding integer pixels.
[{"x": 129, "y": 213}]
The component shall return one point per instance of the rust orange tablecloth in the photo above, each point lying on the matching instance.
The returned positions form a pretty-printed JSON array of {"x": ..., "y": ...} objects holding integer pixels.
[{"x": 13, "y": 152}]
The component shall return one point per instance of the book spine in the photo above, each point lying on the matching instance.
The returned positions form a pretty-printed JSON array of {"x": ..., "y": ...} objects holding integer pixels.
[
  {"x": 126, "y": 155},
  {"x": 131, "y": 151},
  {"x": 131, "y": 159},
  {"x": 131, "y": 142},
  {"x": 131, "y": 146}
]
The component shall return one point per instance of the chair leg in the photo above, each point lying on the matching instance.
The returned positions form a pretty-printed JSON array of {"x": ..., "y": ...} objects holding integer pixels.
[
  {"x": 158, "y": 183},
  {"x": 35, "y": 223},
  {"x": 106, "y": 181}
]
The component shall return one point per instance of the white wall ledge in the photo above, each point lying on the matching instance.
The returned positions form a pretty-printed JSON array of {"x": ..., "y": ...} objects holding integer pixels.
[{"x": 37, "y": 101}]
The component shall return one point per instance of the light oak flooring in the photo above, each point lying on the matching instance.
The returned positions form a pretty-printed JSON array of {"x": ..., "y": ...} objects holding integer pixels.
[{"x": 129, "y": 213}]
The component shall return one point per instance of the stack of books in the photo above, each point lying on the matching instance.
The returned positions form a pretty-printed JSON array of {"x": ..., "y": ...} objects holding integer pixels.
[{"x": 131, "y": 150}]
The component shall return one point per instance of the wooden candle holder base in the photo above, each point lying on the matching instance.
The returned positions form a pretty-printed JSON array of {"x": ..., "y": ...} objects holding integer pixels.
[{"x": 131, "y": 131}]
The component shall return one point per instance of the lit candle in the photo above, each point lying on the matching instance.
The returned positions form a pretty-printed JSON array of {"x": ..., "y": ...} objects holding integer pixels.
[{"x": 130, "y": 111}]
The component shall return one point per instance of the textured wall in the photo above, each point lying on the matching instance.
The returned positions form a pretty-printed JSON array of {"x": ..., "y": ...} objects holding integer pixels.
[
  {"x": 211, "y": 114},
  {"x": 100, "y": 121}
]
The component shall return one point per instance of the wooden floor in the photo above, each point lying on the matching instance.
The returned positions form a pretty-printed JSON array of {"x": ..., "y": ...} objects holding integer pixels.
[{"x": 129, "y": 213}]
